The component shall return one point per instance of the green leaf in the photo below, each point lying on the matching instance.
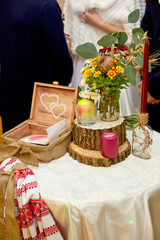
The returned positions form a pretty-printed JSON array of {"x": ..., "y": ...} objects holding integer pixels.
[
  {"x": 132, "y": 46},
  {"x": 122, "y": 38},
  {"x": 106, "y": 41},
  {"x": 131, "y": 120},
  {"x": 137, "y": 30},
  {"x": 114, "y": 34},
  {"x": 131, "y": 74},
  {"x": 139, "y": 60},
  {"x": 134, "y": 16},
  {"x": 87, "y": 50},
  {"x": 138, "y": 38}
]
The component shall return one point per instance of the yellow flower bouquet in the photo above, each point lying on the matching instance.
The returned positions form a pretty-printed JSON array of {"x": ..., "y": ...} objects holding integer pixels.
[
  {"x": 113, "y": 67},
  {"x": 109, "y": 82},
  {"x": 105, "y": 75}
]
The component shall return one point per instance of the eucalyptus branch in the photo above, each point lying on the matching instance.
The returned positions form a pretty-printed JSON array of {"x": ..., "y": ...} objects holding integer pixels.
[{"x": 131, "y": 120}]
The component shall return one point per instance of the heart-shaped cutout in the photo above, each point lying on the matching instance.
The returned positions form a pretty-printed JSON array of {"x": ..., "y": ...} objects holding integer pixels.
[
  {"x": 58, "y": 110},
  {"x": 49, "y": 100}
]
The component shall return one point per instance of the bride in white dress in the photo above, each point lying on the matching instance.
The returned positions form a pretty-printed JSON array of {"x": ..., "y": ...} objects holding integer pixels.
[{"x": 88, "y": 21}]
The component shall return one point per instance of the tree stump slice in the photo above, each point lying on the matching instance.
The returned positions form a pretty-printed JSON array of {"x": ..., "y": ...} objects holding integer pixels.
[
  {"x": 86, "y": 144},
  {"x": 94, "y": 158},
  {"x": 90, "y": 138}
]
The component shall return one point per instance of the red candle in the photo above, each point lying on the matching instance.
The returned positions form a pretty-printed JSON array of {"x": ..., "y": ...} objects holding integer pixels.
[
  {"x": 145, "y": 79},
  {"x": 109, "y": 144}
]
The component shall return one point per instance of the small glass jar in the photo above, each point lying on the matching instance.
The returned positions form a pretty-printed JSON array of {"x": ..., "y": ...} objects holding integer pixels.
[
  {"x": 142, "y": 140},
  {"x": 109, "y": 108},
  {"x": 85, "y": 113}
]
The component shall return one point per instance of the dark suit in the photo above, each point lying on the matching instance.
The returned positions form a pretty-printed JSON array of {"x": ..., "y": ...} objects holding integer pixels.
[
  {"x": 151, "y": 23},
  {"x": 32, "y": 49}
]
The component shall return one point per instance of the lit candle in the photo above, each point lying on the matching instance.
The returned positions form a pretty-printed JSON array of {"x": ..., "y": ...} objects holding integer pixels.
[
  {"x": 145, "y": 79},
  {"x": 109, "y": 144}
]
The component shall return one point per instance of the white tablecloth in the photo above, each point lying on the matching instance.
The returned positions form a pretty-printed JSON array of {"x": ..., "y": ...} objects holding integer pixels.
[{"x": 121, "y": 202}]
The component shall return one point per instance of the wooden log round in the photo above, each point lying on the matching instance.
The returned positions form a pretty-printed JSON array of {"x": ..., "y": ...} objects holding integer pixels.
[
  {"x": 90, "y": 139},
  {"x": 94, "y": 158}
]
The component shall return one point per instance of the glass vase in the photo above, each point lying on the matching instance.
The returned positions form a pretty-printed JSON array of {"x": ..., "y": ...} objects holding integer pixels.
[
  {"x": 109, "y": 108},
  {"x": 85, "y": 113},
  {"x": 142, "y": 141}
]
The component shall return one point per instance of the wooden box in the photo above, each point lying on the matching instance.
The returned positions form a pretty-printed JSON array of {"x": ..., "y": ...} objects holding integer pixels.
[{"x": 50, "y": 104}]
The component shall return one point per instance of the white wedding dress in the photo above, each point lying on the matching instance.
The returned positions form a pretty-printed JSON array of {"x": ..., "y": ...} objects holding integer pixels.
[{"x": 111, "y": 11}]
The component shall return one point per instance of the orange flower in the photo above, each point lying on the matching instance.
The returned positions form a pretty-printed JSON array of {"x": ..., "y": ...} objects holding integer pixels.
[
  {"x": 117, "y": 71},
  {"x": 96, "y": 74},
  {"x": 111, "y": 74},
  {"x": 115, "y": 61}
]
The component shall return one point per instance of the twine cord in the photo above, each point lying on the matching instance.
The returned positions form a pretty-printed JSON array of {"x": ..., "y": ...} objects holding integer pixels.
[{"x": 142, "y": 117}]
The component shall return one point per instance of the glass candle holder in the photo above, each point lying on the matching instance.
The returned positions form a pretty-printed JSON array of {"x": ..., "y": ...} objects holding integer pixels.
[
  {"x": 85, "y": 111},
  {"x": 142, "y": 138}
]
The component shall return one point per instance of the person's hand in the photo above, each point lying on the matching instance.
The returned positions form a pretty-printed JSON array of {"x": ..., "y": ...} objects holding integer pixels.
[
  {"x": 150, "y": 99},
  {"x": 91, "y": 17}
]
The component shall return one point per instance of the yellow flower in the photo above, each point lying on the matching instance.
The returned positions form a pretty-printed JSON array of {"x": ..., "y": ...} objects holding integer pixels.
[
  {"x": 93, "y": 61},
  {"x": 94, "y": 64},
  {"x": 125, "y": 77},
  {"x": 119, "y": 69},
  {"x": 88, "y": 72},
  {"x": 83, "y": 82},
  {"x": 94, "y": 85},
  {"x": 111, "y": 74},
  {"x": 96, "y": 74}
]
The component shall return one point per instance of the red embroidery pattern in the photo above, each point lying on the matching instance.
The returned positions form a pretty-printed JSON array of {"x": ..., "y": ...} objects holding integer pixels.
[
  {"x": 8, "y": 163},
  {"x": 51, "y": 230},
  {"x": 34, "y": 215},
  {"x": 33, "y": 209},
  {"x": 26, "y": 187},
  {"x": 22, "y": 174},
  {"x": 40, "y": 235}
]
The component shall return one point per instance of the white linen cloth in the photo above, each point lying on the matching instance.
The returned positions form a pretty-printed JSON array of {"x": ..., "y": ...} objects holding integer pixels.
[{"x": 121, "y": 202}]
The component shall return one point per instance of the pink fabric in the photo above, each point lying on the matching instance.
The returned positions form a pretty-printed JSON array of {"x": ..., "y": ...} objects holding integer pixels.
[{"x": 34, "y": 217}]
